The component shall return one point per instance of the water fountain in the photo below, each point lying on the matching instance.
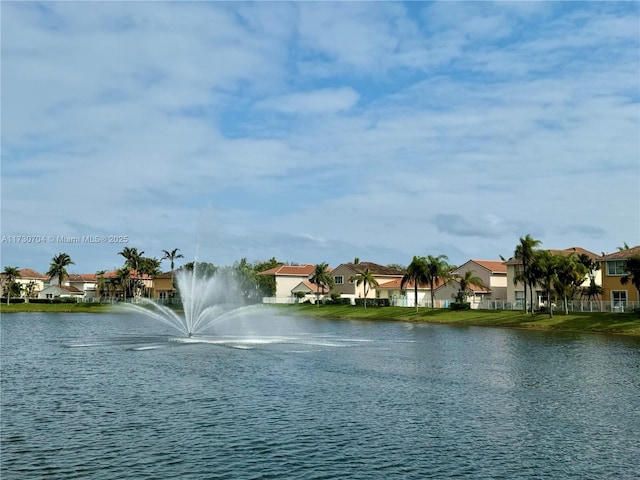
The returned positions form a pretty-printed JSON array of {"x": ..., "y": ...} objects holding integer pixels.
[{"x": 206, "y": 300}]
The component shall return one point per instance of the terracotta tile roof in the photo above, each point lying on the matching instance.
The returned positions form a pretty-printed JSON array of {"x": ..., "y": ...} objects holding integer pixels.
[
  {"x": 374, "y": 268},
  {"x": 82, "y": 277},
  {"x": 293, "y": 270},
  {"x": 311, "y": 286},
  {"x": 395, "y": 285},
  {"x": 495, "y": 266},
  {"x": 566, "y": 251},
  {"x": 30, "y": 273},
  {"x": 132, "y": 272},
  {"x": 622, "y": 254}
]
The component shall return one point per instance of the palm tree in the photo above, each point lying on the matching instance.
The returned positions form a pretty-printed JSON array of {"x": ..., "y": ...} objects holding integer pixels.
[
  {"x": 101, "y": 284},
  {"x": 625, "y": 246},
  {"x": 368, "y": 280},
  {"x": 524, "y": 252},
  {"x": 632, "y": 267},
  {"x": 437, "y": 269},
  {"x": 321, "y": 277},
  {"x": 467, "y": 280},
  {"x": 123, "y": 278},
  {"x": 10, "y": 274},
  {"x": 29, "y": 290},
  {"x": 417, "y": 273},
  {"x": 58, "y": 267},
  {"x": 132, "y": 257},
  {"x": 171, "y": 256},
  {"x": 542, "y": 268}
]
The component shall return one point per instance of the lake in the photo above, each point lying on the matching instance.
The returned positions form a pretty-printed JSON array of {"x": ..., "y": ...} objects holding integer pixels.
[{"x": 119, "y": 396}]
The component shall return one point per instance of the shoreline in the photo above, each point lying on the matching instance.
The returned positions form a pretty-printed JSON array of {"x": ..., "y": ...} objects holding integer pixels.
[{"x": 605, "y": 323}]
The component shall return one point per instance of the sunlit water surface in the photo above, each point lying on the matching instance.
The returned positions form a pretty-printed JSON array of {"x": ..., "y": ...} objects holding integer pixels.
[{"x": 122, "y": 397}]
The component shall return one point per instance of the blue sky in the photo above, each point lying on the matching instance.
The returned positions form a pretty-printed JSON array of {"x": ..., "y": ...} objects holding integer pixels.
[{"x": 318, "y": 132}]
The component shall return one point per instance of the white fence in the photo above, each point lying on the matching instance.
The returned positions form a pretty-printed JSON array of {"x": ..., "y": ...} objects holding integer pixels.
[{"x": 572, "y": 306}]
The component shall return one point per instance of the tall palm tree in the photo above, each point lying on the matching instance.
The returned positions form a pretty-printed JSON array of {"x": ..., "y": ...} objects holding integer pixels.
[
  {"x": 544, "y": 269},
  {"x": 171, "y": 256},
  {"x": 132, "y": 257},
  {"x": 101, "y": 283},
  {"x": 416, "y": 273},
  {"x": 58, "y": 267},
  {"x": 10, "y": 274},
  {"x": 632, "y": 267},
  {"x": 321, "y": 277},
  {"x": 368, "y": 280},
  {"x": 524, "y": 252},
  {"x": 123, "y": 278},
  {"x": 438, "y": 269},
  {"x": 465, "y": 282}
]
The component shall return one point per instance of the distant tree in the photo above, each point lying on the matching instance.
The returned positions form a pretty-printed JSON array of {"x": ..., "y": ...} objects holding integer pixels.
[
  {"x": 367, "y": 279},
  {"x": 356, "y": 261},
  {"x": 123, "y": 279},
  {"x": 632, "y": 267},
  {"x": 246, "y": 279},
  {"x": 101, "y": 283},
  {"x": 437, "y": 270},
  {"x": 592, "y": 291},
  {"x": 132, "y": 257},
  {"x": 524, "y": 252},
  {"x": 625, "y": 246},
  {"x": 171, "y": 255},
  {"x": 397, "y": 266},
  {"x": 321, "y": 278},
  {"x": 267, "y": 283},
  {"x": 58, "y": 267},
  {"x": 30, "y": 290},
  {"x": 570, "y": 274},
  {"x": 465, "y": 282},
  {"x": 149, "y": 266},
  {"x": 10, "y": 274},
  {"x": 543, "y": 268},
  {"x": 416, "y": 273},
  {"x": 202, "y": 269}
]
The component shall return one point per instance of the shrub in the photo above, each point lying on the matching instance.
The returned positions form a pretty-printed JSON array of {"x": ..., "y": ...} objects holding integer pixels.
[{"x": 460, "y": 306}]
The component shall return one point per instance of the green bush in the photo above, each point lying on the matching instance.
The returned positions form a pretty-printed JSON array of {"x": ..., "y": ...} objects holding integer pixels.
[{"x": 460, "y": 306}]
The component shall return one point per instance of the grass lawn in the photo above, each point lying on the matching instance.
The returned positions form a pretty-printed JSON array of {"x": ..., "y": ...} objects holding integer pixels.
[
  {"x": 618, "y": 323},
  {"x": 55, "y": 307}
]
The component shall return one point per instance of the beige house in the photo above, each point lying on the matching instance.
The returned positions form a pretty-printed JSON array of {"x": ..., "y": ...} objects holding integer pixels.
[
  {"x": 493, "y": 274},
  {"x": 287, "y": 278},
  {"x": 64, "y": 291},
  {"x": 348, "y": 289},
  {"x": 515, "y": 290},
  {"x": 443, "y": 294},
  {"x": 30, "y": 280}
]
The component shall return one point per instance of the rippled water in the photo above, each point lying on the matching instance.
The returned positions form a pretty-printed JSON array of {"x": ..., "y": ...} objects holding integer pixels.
[{"x": 117, "y": 397}]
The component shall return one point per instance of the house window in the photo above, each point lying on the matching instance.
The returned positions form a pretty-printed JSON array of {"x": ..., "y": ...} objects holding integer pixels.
[
  {"x": 616, "y": 267},
  {"x": 339, "y": 280},
  {"x": 162, "y": 295},
  {"x": 618, "y": 298},
  {"x": 519, "y": 298}
]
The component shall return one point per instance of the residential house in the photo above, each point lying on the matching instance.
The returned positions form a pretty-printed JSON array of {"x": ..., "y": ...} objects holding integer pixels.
[
  {"x": 141, "y": 283},
  {"x": 493, "y": 274},
  {"x": 311, "y": 291},
  {"x": 443, "y": 294},
  {"x": 343, "y": 283},
  {"x": 288, "y": 277},
  {"x": 515, "y": 290},
  {"x": 163, "y": 287},
  {"x": 63, "y": 291},
  {"x": 29, "y": 279},
  {"x": 85, "y": 283},
  {"x": 613, "y": 269}
]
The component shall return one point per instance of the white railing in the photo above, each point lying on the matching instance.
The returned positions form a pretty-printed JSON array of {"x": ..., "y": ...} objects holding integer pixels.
[{"x": 573, "y": 306}]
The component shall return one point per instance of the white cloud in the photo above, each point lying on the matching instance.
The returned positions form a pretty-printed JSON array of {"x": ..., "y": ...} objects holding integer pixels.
[{"x": 323, "y": 101}]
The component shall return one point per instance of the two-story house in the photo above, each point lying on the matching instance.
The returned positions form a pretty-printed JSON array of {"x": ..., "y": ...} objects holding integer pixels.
[
  {"x": 515, "y": 289},
  {"x": 345, "y": 285},
  {"x": 493, "y": 274},
  {"x": 612, "y": 268},
  {"x": 288, "y": 278}
]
